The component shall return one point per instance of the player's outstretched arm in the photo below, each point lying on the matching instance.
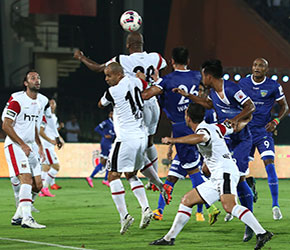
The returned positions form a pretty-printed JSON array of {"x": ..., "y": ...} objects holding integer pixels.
[
  {"x": 92, "y": 65},
  {"x": 284, "y": 109},
  {"x": 189, "y": 139},
  {"x": 244, "y": 116},
  {"x": 205, "y": 102}
]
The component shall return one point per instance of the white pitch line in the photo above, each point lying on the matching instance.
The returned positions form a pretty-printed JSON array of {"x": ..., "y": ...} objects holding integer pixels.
[{"x": 44, "y": 243}]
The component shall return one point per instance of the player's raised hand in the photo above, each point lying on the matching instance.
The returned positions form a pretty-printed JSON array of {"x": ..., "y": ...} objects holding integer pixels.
[
  {"x": 155, "y": 76},
  {"x": 141, "y": 75},
  {"x": 166, "y": 140},
  {"x": 78, "y": 54},
  {"x": 180, "y": 91}
]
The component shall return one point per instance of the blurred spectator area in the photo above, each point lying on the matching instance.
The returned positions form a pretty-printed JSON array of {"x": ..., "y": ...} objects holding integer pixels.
[{"x": 276, "y": 13}]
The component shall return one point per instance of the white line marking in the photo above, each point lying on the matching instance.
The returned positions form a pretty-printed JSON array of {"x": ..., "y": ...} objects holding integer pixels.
[{"x": 44, "y": 243}]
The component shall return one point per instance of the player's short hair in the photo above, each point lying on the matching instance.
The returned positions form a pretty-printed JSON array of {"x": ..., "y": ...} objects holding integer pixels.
[
  {"x": 116, "y": 68},
  {"x": 195, "y": 112},
  {"x": 135, "y": 40},
  {"x": 180, "y": 55},
  {"x": 213, "y": 67}
]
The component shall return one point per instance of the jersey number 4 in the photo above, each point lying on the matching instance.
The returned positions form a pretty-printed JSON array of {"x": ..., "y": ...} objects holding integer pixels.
[{"x": 136, "y": 103}]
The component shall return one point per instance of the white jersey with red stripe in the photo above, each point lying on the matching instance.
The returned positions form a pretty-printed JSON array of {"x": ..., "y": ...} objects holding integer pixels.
[
  {"x": 49, "y": 131},
  {"x": 25, "y": 113},
  {"x": 127, "y": 108},
  {"x": 214, "y": 150},
  {"x": 140, "y": 61}
]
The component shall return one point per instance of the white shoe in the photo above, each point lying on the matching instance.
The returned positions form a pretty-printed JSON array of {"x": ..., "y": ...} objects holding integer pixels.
[
  {"x": 147, "y": 215},
  {"x": 277, "y": 215},
  {"x": 33, "y": 209},
  {"x": 126, "y": 223},
  {"x": 31, "y": 223},
  {"x": 228, "y": 217},
  {"x": 16, "y": 222}
]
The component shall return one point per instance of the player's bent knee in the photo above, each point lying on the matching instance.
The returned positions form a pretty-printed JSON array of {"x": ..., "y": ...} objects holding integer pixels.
[{"x": 172, "y": 179}]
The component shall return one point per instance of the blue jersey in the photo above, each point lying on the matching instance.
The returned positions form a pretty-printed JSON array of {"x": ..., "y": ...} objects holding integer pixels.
[
  {"x": 173, "y": 104},
  {"x": 106, "y": 128},
  {"x": 231, "y": 104},
  {"x": 264, "y": 95},
  {"x": 210, "y": 116}
]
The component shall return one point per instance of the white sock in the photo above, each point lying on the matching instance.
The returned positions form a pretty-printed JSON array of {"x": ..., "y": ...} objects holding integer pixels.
[
  {"x": 43, "y": 176},
  {"x": 118, "y": 195},
  {"x": 50, "y": 176},
  {"x": 52, "y": 182},
  {"x": 153, "y": 177},
  {"x": 16, "y": 187},
  {"x": 139, "y": 191},
  {"x": 153, "y": 156},
  {"x": 18, "y": 213},
  {"x": 25, "y": 200},
  {"x": 181, "y": 218},
  {"x": 246, "y": 216}
]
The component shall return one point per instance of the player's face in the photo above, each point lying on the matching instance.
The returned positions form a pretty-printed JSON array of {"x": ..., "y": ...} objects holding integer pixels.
[
  {"x": 111, "y": 78},
  {"x": 206, "y": 79},
  {"x": 33, "y": 81},
  {"x": 52, "y": 104},
  {"x": 259, "y": 68}
]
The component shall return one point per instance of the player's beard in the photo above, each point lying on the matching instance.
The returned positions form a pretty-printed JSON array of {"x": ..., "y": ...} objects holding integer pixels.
[{"x": 34, "y": 89}]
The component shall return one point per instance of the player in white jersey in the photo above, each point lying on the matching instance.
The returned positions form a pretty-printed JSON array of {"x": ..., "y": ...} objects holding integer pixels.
[
  {"x": 20, "y": 121},
  {"x": 222, "y": 184},
  {"x": 138, "y": 60},
  {"x": 127, "y": 154},
  {"x": 50, "y": 167}
]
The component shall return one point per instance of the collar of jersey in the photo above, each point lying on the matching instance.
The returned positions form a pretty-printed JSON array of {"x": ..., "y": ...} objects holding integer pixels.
[{"x": 257, "y": 83}]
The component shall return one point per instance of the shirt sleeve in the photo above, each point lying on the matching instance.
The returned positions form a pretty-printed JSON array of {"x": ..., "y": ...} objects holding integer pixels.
[
  {"x": 107, "y": 98},
  {"x": 12, "y": 110},
  {"x": 161, "y": 63},
  {"x": 279, "y": 93},
  {"x": 241, "y": 97},
  {"x": 205, "y": 132},
  {"x": 225, "y": 128}
]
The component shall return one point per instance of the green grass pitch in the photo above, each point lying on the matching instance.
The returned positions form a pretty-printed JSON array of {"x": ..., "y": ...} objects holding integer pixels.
[{"x": 84, "y": 217}]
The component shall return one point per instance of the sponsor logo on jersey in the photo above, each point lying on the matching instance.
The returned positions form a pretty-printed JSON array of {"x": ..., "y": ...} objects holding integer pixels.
[
  {"x": 227, "y": 156},
  {"x": 240, "y": 96},
  {"x": 30, "y": 117},
  {"x": 11, "y": 113},
  {"x": 263, "y": 92}
]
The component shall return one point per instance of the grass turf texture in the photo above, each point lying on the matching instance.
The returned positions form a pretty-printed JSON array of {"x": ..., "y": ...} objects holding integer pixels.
[{"x": 80, "y": 216}]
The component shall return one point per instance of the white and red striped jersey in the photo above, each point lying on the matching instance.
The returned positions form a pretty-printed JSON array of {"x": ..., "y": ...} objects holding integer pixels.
[
  {"x": 214, "y": 150},
  {"x": 49, "y": 131},
  {"x": 25, "y": 113},
  {"x": 140, "y": 61},
  {"x": 127, "y": 108}
]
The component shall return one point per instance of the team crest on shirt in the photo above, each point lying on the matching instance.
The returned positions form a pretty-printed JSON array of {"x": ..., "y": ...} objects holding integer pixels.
[
  {"x": 263, "y": 92},
  {"x": 23, "y": 165}
]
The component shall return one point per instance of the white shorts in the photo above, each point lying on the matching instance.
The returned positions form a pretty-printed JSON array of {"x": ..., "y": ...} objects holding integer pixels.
[
  {"x": 211, "y": 190},
  {"x": 151, "y": 115},
  {"x": 50, "y": 156},
  {"x": 19, "y": 163},
  {"x": 127, "y": 156}
]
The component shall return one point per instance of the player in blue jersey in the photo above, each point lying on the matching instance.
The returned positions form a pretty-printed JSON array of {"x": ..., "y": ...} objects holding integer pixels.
[
  {"x": 106, "y": 130},
  {"x": 231, "y": 103},
  {"x": 188, "y": 160},
  {"x": 265, "y": 92}
]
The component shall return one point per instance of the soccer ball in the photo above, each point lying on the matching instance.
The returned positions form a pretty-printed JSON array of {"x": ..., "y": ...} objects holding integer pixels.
[{"x": 130, "y": 21}]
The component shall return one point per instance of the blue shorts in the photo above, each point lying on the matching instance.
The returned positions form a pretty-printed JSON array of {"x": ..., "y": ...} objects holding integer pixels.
[
  {"x": 240, "y": 146},
  {"x": 105, "y": 148},
  {"x": 177, "y": 170},
  {"x": 189, "y": 156},
  {"x": 263, "y": 141}
]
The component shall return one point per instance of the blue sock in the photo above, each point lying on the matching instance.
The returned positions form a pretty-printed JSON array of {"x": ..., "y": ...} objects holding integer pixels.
[
  {"x": 106, "y": 175},
  {"x": 96, "y": 170},
  {"x": 161, "y": 202},
  {"x": 196, "y": 179},
  {"x": 273, "y": 183},
  {"x": 245, "y": 194}
]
